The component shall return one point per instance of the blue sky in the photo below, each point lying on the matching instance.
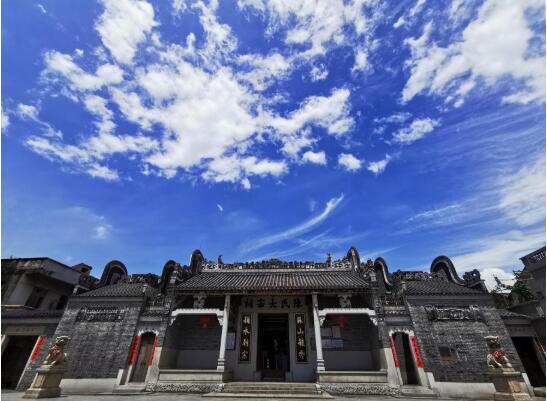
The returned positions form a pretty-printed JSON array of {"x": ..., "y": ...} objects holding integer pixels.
[{"x": 255, "y": 129}]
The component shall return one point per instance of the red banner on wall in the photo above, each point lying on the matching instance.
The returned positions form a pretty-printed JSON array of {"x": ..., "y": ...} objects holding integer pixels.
[
  {"x": 417, "y": 354},
  {"x": 151, "y": 359},
  {"x": 37, "y": 348},
  {"x": 134, "y": 348},
  {"x": 392, "y": 343}
]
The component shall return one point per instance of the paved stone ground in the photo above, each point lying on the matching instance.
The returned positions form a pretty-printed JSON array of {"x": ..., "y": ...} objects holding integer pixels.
[{"x": 17, "y": 396}]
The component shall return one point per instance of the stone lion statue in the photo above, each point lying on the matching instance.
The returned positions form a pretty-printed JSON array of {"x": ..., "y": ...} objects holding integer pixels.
[
  {"x": 496, "y": 357},
  {"x": 56, "y": 354}
]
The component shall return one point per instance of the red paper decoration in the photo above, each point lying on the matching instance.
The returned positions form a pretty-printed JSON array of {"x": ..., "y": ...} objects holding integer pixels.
[{"x": 341, "y": 320}]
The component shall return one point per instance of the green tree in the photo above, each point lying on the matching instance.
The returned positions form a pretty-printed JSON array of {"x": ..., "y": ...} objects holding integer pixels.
[{"x": 518, "y": 289}]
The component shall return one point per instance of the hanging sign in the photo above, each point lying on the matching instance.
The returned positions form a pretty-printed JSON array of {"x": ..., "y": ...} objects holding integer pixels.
[
  {"x": 301, "y": 345},
  {"x": 245, "y": 338}
]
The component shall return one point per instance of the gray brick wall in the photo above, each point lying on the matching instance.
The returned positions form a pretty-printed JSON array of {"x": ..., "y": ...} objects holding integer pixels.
[
  {"x": 359, "y": 334},
  {"x": 96, "y": 349},
  {"x": 465, "y": 338},
  {"x": 187, "y": 334}
]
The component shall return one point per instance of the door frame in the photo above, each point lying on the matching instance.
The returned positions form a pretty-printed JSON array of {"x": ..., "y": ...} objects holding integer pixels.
[
  {"x": 131, "y": 369},
  {"x": 260, "y": 338},
  {"x": 421, "y": 376}
]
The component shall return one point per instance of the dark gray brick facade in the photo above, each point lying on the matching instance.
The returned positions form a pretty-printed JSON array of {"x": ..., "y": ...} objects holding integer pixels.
[
  {"x": 465, "y": 338},
  {"x": 98, "y": 348}
]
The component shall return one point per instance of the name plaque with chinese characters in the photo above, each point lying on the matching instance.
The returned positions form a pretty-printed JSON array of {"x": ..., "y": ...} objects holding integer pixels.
[
  {"x": 301, "y": 343},
  {"x": 245, "y": 338},
  {"x": 471, "y": 312},
  {"x": 100, "y": 314},
  {"x": 272, "y": 302}
]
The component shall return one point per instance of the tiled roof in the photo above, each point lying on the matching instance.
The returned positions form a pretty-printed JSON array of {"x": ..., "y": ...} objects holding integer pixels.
[
  {"x": 30, "y": 313},
  {"x": 274, "y": 280},
  {"x": 121, "y": 290},
  {"x": 438, "y": 287}
]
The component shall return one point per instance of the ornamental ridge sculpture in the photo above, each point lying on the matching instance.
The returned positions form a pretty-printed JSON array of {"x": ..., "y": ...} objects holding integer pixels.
[{"x": 343, "y": 263}]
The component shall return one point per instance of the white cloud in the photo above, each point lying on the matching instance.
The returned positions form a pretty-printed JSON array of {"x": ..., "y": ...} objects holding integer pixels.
[
  {"x": 101, "y": 231},
  {"x": 104, "y": 172},
  {"x": 179, "y": 6},
  {"x": 410, "y": 16},
  {"x": 361, "y": 60},
  {"x": 27, "y": 111},
  {"x": 349, "y": 162},
  {"x": 317, "y": 25},
  {"x": 331, "y": 205},
  {"x": 200, "y": 109},
  {"x": 416, "y": 130},
  {"x": 63, "y": 64},
  {"x": 379, "y": 166},
  {"x": 522, "y": 194},
  {"x": 319, "y": 73},
  {"x": 492, "y": 48},
  {"x": 220, "y": 208},
  {"x": 329, "y": 112},
  {"x": 493, "y": 255},
  {"x": 398, "y": 118},
  {"x": 263, "y": 71},
  {"x": 5, "y": 121},
  {"x": 124, "y": 25},
  {"x": 30, "y": 112},
  {"x": 315, "y": 157},
  {"x": 41, "y": 8}
]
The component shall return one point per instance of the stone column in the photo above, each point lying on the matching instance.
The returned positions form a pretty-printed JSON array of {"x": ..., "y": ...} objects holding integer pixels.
[
  {"x": 222, "y": 352},
  {"x": 317, "y": 330}
]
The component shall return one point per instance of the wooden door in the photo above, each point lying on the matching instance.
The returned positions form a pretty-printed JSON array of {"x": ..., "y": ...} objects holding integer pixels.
[{"x": 141, "y": 365}]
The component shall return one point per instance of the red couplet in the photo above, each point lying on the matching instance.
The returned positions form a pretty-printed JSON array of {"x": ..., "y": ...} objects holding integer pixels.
[
  {"x": 37, "y": 348},
  {"x": 134, "y": 348},
  {"x": 417, "y": 354},
  {"x": 151, "y": 358},
  {"x": 393, "y": 351}
]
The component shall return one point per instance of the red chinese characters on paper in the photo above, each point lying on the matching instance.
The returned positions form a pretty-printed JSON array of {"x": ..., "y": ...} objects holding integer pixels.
[
  {"x": 151, "y": 358},
  {"x": 417, "y": 354},
  {"x": 37, "y": 348},
  {"x": 392, "y": 343},
  {"x": 133, "y": 352}
]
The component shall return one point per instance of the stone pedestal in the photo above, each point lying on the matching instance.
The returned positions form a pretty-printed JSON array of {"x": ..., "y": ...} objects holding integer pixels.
[
  {"x": 507, "y": 384},
  {"x": 46, "y": 383}
]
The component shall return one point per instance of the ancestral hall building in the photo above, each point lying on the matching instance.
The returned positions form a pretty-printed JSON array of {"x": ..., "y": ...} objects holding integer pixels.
[{"x": 349, "y": 325}]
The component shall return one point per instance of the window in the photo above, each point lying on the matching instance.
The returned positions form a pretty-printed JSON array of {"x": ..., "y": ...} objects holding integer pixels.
[
  {"x": 448, "y": 354},
  {"x": 36, "y": 297},
  {"x": 62, "y": 302}
]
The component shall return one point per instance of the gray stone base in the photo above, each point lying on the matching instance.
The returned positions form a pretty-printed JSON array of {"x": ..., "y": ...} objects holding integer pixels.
[
  {"x": 196, "y": 387},
  {"x": 361, "y": 388},
  {"x": 512, "y": 397},
  {"x": 42, "y": 393}
]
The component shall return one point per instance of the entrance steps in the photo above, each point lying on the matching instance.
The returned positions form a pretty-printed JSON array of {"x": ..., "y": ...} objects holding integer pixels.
[
  {"x": 417, "y": 392},
  {"x": 130, "y": 388},
  {"x": 271, "y": 390}
]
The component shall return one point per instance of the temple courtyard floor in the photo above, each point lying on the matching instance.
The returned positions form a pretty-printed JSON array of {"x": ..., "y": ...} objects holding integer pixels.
[{"x": 17, "y": 396}]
